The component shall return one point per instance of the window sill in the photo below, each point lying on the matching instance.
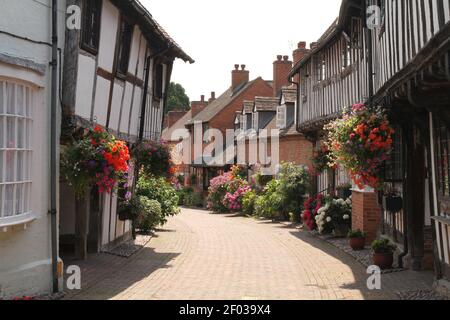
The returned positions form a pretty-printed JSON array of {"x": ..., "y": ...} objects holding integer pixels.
[{"x": 22, "y": 219}]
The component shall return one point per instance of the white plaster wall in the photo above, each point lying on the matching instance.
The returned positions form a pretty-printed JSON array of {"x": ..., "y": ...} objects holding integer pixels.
[
  {"x": 126, "y": 108},
  {"x": 108, "y": 33},
  {"x": 116, "y": 104},
  {"x": 101, "y": 101},
  {"x": 135, "y": 115},
  {"x": 25, "y": 266},
  {"x": 85, "y": 86}
]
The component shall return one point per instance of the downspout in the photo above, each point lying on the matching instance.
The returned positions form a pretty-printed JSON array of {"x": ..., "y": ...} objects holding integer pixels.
[
  {"x": 144, "y": 99},
  {"x": 53, "y": 146}
]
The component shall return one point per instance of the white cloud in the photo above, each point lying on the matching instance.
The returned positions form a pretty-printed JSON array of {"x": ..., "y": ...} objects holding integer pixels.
[{"x": 219, "y": 34}]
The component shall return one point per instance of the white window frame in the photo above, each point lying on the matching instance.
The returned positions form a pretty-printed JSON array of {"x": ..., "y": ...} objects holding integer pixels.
[
  {"x": 281, "y": 117},
  {"x": 255, "y": 121},
  {"x": 16, "y": 123}
]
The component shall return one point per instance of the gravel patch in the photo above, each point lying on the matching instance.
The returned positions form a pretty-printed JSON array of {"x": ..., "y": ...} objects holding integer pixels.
[
  {"x": 420, "y": 295},
  {"x": 364, "y": 256}
]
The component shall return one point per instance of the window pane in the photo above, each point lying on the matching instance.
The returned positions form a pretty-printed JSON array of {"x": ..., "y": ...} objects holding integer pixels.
[
  {"x": 20, "y": 101},
  {"x": 9, "y": 169},
  {"x": 21, "y": 132},
  {"x": 11, "y": 101},
  {"x": 10, "y": 133},
  {"x": 1, "y": 98},
  {"x": 28, "y": 102},
  {"x": 19, "y": 199},
  {"x": 2, "y": 153},
  {"x": 26, "y": 206},
  {"x": 20, "y": 166},
  {"x": 9, "y": 200},
  {"x": 2, "y": 204}
]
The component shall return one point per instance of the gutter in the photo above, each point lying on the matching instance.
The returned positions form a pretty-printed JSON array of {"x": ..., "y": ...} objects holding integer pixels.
[{"x": 53, "y": 147}]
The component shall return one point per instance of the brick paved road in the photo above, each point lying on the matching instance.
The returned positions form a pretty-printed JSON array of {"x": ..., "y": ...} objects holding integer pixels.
[{"x": 202, "y": 256}]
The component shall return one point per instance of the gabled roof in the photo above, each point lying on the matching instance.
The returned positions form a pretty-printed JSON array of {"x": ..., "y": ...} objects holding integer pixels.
[
  {"x": 167, "y": 133},
  {"x": 222, "y": 102},
  {"x": 266, "y": 104},
  {"x": 150, "y": 28}
]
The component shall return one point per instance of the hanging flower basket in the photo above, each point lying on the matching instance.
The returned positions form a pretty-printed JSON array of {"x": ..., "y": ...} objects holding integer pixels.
[
  {"x": 323, "y": 160},
  {"x": 98, "y": 158},
  {"x": 154, "y": 158},
  {"x": 361, "y": 141}
]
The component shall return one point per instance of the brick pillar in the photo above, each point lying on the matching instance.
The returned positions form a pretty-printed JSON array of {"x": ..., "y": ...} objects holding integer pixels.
[{"x": 366, "y": 214}]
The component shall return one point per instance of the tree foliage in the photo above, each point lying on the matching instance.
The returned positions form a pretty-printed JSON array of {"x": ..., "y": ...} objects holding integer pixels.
[{"x": 177, "y": 99}]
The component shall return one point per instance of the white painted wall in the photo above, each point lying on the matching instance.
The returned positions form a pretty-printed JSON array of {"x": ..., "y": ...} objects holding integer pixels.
[
  {"x": 25, "y": 265},
  {"x": 108, "y": 33},
  {"x": 85, "y": 86}
]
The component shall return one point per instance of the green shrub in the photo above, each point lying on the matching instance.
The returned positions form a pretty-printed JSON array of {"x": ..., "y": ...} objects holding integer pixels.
[
  {"x": 194, "y": 199},
  {"x": 183, "y": 194},
  {"x": 160, "y": 190},
  {"x": 248, "y": 203},
  {"x": 384, "y": 246},
  {"x": 152, "y": 215}
]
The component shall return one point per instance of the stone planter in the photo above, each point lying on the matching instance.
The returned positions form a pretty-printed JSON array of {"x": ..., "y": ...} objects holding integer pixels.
[
  {"x": 357, "y": 244},
  {"x": 383, "y": 260}
]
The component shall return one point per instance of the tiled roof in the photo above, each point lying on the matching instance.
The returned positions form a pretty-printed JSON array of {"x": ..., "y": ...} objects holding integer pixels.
[
  {"x": 222, "y": 102},
  {"x": 150, "y": 26},
  {"x": 167, "y": 133},
  {"x": 266, "y": 104}
]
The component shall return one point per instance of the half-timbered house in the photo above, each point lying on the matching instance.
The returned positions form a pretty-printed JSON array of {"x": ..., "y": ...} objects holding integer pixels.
[
  {"x": 116, "y": 72},
  {"x": 401, "y": 63}
]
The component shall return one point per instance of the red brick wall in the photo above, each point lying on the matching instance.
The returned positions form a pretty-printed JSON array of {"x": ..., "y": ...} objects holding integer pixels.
[
  {"x": 296, "y": 149},
  {"x": 225, "y": 118},
  {"x": 428, "y": 259},
  {"x": 281, "y": 68},
  {"x": 366, "y": 214}
]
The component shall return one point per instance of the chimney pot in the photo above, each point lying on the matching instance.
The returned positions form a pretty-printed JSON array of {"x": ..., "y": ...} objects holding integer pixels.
[
  {"x": 243, "y": 66},
  {"x": 279, "y": 57},
  {"x": 302, "y": 45},
  {"x": 236, "y": 67},
  {"x": 213, "y": 95},
  {"x": 202, "y": 98},
  {"x": 285, "y": 58}
]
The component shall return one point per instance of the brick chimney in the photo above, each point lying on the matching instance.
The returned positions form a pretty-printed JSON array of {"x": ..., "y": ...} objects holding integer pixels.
[
  {"x": 239, "y": 76},
  {"x": 281, "y": 68},
  {"x": 298, "y": 55},
  {"x": 173, "y": 117},
  {"x": 213, "y": 97},
  {"x": 198, "y": 106}
]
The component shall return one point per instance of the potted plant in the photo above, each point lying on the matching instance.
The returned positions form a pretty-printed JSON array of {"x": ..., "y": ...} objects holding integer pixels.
[
  {"x": 383, "y": 253},
  {"x": 344, "y": 191},
  {"x": 357, "y": 239},
  {"x": 392, "y": 202}
]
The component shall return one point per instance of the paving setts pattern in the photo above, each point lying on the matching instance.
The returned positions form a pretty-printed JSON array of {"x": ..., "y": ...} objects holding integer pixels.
[{"x": 198, "y": 255}]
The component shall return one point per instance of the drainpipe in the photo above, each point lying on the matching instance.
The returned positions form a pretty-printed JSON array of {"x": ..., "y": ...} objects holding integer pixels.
[
  {"x": 144, "y": 99},
  {"x": 53, "y": 146}
]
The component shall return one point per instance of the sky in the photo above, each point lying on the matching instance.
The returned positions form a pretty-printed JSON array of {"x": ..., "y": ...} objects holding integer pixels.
[{"x": 218, "y": 34}]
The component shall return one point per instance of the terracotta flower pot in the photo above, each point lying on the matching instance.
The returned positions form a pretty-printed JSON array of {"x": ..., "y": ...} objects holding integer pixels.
[
  {"x": 383, "y": 260},
  {"x": 357, "y": 244}
]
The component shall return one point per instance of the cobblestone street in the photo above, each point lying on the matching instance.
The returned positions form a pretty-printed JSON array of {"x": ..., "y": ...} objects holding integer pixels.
[{"x": 202, "y": 256}]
